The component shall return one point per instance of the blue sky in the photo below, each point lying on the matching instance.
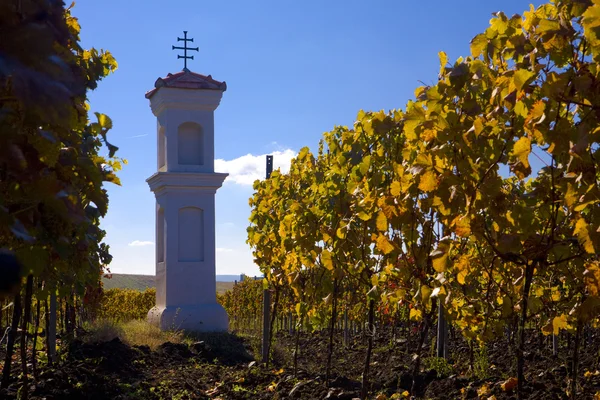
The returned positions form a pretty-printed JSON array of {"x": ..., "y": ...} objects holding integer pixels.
[{"x": 294, "y": 69}]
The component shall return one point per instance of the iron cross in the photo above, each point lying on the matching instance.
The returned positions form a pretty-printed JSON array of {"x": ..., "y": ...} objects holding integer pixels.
[{"x": 185, "y": 49}]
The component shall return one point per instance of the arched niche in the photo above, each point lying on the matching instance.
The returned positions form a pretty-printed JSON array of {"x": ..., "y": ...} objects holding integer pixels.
[
  {"x": 162, "y": 148},
  {"x": 191, "y": 234},
  {"x": 160, "y": 235},
  {"x": 190, "y": 144}
]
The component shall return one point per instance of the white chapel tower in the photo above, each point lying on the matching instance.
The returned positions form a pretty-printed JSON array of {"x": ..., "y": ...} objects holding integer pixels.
[{"x": 185, "y": 187}]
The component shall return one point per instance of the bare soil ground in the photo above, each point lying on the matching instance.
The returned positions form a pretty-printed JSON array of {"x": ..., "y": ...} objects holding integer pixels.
[{"x": 222, "y": 366}]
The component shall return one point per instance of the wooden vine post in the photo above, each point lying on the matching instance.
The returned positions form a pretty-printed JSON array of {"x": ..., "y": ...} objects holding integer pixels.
[{"x": 266, "y": 340}]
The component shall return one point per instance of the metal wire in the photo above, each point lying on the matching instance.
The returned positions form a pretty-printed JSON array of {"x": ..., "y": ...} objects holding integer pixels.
[{"x": 5, "y": 335}]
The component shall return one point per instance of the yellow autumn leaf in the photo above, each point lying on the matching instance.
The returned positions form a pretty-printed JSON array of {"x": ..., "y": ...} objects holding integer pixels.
[
  {"x": 520, "y": 78},
  {"x": 591, "y": 277},
  {"x": 374, "y": 280},
  {"x": 547, "y": 329},
  {"x": 428, "y": 181},
  {"x": 483, "y": 390},
  {"x": 583, "y": 206},
  {"x": 382, "y": 222},
  {"x": 439, "y": 263},
  {"x": 415, "y": 315},
  {"x": 461, "y": 277},
  {"x": 364, "y": 216},
  {"x": 395, "y": 188},
  {"x": 425, "y": 293},
  {"x": 326, "y": 260},
  {"x": 478, "y": 126},
  {"x": 462, "y": 265},
  {"x": 443, "y": 61},
  {"x": 582, "y": 232},
  {"x": 439, "y": 257},
  {"x": 509, "y": 218},
  {"x": 462, "y": 226},
  {"x": 522, "y": 149},
  {"x": 559, "y": 323},
  {"x": 384, "y": 245},
  {"x": 536, "y": 112},
  {"x": 439, "y": 204},
  {"x": 555, "y": 293}
]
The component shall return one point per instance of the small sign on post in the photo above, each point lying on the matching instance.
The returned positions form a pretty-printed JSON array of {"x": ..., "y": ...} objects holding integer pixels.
[{"x": 269, "y": 166}]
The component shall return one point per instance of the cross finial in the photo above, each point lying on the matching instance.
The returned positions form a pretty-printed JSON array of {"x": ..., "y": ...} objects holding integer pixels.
[{"x": 185, "y": 50}]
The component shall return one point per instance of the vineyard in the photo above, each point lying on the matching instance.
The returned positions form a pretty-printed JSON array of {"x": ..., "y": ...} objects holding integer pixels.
[
  {"x": 449, "y": 249},
  {"x": 474, "y": 210}
]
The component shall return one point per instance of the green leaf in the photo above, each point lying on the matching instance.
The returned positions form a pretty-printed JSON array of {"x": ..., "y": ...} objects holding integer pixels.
[
  {"x": 459, "y": 75},
  {"x": 478, "y": 45},
  {"x": 104, "y": 121},
  {"x": 373, "y": 294},
  {"x": 34, "y": 259}
]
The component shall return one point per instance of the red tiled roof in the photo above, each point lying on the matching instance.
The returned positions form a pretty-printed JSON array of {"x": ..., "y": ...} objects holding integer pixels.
[{"x": 187, "y": 80}]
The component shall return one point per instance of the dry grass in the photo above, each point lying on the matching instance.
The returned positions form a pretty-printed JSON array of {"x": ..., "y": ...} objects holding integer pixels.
[
  {"x": 102, "y": 331},
  {"x": 133, "y": 333}
]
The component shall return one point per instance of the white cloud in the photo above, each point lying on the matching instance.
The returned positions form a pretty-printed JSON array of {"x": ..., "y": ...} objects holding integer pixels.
[
  {"x": 138, "y": 243},
  {"x": 137, "y": 136},
  {"x": 246, "y": 169},
  {"x": 223, "y": 250}
]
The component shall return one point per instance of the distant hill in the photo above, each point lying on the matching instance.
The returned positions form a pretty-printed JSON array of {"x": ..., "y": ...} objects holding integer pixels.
[
  {"x": 228, "y": 278},
  {"x": 142, "y": 282},
  {"x": 125, "y": 281}
]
